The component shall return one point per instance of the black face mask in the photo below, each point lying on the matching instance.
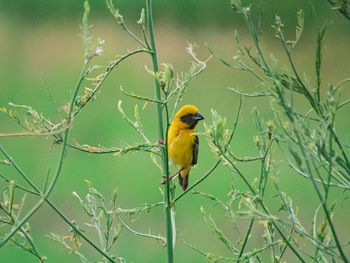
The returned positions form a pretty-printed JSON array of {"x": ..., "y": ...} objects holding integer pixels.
[{"x": 191, "y": 119}]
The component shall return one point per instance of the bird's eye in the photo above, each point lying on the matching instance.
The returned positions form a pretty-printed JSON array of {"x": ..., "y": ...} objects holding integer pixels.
[{"x": 187, "y": 118}]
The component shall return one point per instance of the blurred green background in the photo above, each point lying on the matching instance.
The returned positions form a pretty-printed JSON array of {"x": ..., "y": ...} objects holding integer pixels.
[{"x": 40, "y": 43}]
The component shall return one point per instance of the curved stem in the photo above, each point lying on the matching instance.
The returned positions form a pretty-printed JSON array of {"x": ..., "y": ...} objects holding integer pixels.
[
  {"x": 134, "y": 36},
  {"x": 323, "y": 202},
  {"x": 52, "y": 205},
  {"x": 232, "y": 166},
  {"x": 110, "y": 68},
  {"x": 197, "y": 182},
  {"x": 60, "y": 162}
]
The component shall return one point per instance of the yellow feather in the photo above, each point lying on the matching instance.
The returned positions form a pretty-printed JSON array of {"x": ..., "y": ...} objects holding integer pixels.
[
  {"x": 180, "y": 147},
  {"x": 181, "y": 140}
]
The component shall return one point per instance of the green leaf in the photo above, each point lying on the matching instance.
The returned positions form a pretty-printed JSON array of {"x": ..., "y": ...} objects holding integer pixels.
[
  {"x": 300, "y": 27},
  {"x": 320, "y": 37},
  {"x": 85, "y": 28},
  {"x": 218, "y": 232}
]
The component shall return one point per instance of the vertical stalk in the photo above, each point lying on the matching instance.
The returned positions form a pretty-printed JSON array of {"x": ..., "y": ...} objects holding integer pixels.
[
  {"x": 323, "y": 201},
  {"x": 233, "y": 167},
  {"x": 164, "y": 150}
]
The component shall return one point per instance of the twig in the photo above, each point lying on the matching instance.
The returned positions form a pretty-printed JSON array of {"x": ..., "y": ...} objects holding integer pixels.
[
  {"x": 196, "y": 183},
  {"x": 158, "y": 238},
  {"x": 116, "y": 151},
  {"x": 17, "y": 134},
  {"x": 104, "y": 75},
  {"x": 255, "y": 94}
]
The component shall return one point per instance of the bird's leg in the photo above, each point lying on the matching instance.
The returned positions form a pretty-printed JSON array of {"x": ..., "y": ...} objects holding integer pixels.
[
  {"x": 161, "y": 142},
  {"x": 171, "y": 177}
]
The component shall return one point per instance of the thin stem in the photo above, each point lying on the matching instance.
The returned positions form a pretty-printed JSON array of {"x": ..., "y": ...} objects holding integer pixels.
[
  {"x": 97, "y": 226},
  {"x": 196, "y": 183},
  {"x": 324, "y": 205},
  {"x": 22, "y": 222},
  {"x": 19, "y": 186},
  {"x": 16, "y": 134},
  {"x": 308, "y": 166},
  {"x": 78, "y": 231},
  {"x": 66, "y": 133},
  {"x": 285, "y": 247},
  {"x": 33, "y": 249},
  {"x": 158, "y": 238},
  {"x": 235, "y": 169},
  {"x": 307, "y": 93},
  {"x": 53, "y": 206},
  {"x": 330, "y": 164},
  {"x": 340, "y": 185},
  {"x": 245, "y": 239},
  {"x": 261, "y": 193},
  {"x": 59, "y": 167},
  {"x": 110, "y": 68},
  {"x": 19, "y": 170},
  {"x": 343, "y": 104},
  {"x": 145, "y": 38},
  {"x": 342, "y": 9},
  {"x": 135, "y": 96},
  {"x": 164, "y": 150},
  {"x": 115, "y": 151},
  {"x": 29, "y": 251},
  {"x": 340, "y": 84},
  {"x": 29, "y": 239},
  {"x": 340, "y": 146},
  {"x": 133, "y": 35}
]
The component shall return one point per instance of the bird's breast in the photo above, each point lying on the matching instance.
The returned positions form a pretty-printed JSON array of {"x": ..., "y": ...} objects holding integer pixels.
[{"x": 180, "y": 147}]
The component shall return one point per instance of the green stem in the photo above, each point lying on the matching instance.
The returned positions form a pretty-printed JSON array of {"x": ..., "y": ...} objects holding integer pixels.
[
  {"x": 245, "y": 239},
  {"x": 196, "y": 183},
  {"x": 33, "y": 249},
  {"x": 164, "y": 150},
  {"x": 307, "y": 93},
  {"x": 330, "y": 164},
  {"x": 53, "y": 206},
  {"x": 235, "y": 169},
  {"x": 263, "y": 174},
  {"x": 323, "y": 202},
  {"x": 78, "y": 231},
  {"x": 110, "y": 68},
  {"x": 340, "y": 146},
  {"x": 60, "y": 162},
  {"x": 133, "y": 35},
  {"x": 311, "y": 176},
  {"x": 19, "y": 186},
  {"x": 19, "y": 170}
]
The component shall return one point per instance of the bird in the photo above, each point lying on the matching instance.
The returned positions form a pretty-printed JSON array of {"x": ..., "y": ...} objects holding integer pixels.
[{"x": 182, "y": 143}]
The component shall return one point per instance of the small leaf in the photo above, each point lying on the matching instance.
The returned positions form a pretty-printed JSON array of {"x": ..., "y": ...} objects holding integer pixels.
[{"x": 300, "y": 27}]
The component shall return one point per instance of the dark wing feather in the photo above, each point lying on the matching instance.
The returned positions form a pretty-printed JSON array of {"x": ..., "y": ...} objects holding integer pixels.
[
  {"x": 183, "y": 181},
  {"x": 195, "y": 151}
]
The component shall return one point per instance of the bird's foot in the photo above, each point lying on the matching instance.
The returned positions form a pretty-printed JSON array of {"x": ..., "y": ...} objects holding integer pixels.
[
  {"x": 171, "y": 177},
  {"x": 161, "y": 142}
]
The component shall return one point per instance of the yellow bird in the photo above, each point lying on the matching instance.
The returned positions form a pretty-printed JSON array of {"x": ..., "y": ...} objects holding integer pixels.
[{"x": 182, "y": 144}]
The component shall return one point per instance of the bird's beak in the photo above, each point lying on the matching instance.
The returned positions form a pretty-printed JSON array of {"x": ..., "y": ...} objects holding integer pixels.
[{"x": 198, "y": 116}]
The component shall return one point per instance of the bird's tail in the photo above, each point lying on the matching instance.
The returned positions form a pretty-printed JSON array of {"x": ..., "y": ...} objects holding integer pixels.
[{"x": 183, "y": 178}]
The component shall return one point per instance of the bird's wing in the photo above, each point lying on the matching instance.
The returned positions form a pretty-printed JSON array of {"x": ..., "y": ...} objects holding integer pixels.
[{"x": 195, "y": 150}]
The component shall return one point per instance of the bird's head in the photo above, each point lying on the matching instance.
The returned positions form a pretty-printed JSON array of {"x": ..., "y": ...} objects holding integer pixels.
[{"x": 188, "y": 116}]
